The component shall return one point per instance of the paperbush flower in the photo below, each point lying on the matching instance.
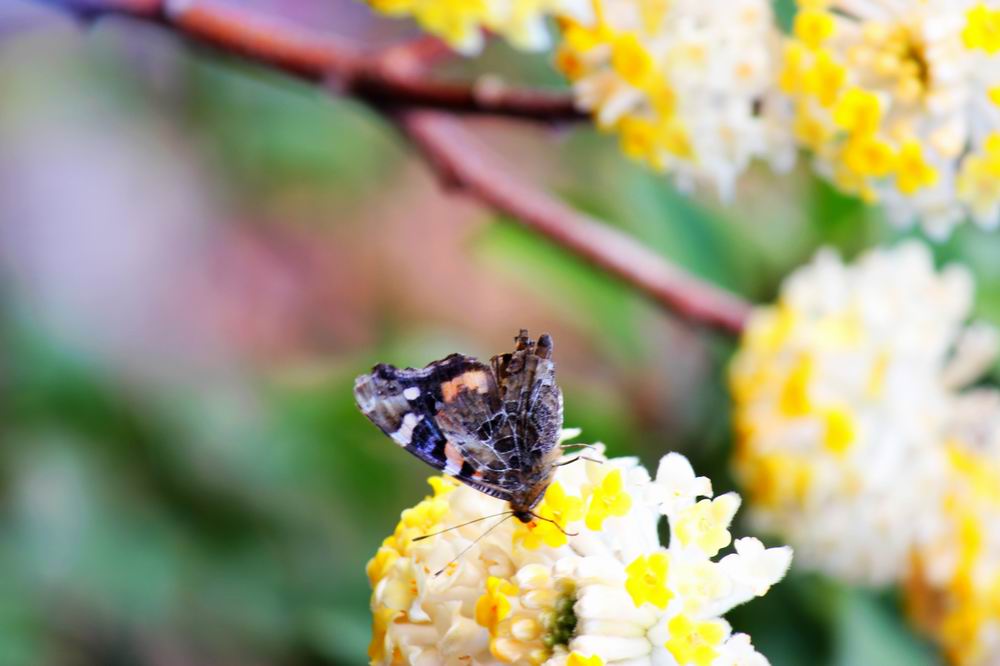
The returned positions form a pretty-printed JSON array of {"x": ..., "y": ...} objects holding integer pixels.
[
  {"x": 606, "y": 593},
  {"x": 461, "y": 22},
  {"x": 688, "y": 84},
  {"x": 954, "y": 591},
  {"x": 898, "y": 101},
  {"x": 844, "y": 391}
]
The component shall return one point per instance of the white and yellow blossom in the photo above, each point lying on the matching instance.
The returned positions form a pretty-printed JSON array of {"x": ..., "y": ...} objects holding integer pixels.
[
  {"x": 898, "y": 102},
  {"x": 688, "y": 85},
  {"x": 597, "y": 589},
  {"x": 461, "y": 23},
  {"x": 954, "y": 589},
  {"x": 843, "y": 393}
]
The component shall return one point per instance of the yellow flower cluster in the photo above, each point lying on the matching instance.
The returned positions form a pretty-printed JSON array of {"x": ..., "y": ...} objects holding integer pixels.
[
  {"x": 898, "y": 103},
  {"x": 842, "y": 393},
  {"x": 954, "y": 589},
  {"x": 392, "y": 570},
  {"x": 586, "y": 583},
  {"x": 461, "y": 23},
  {"x": 684, "y": 83},
  {"x": 859, "y": 442}
]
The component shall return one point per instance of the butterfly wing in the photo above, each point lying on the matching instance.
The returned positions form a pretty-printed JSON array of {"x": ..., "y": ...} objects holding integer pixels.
[
  {"x": 448, "y": 414},
  {"x": 528, "y": 390}
]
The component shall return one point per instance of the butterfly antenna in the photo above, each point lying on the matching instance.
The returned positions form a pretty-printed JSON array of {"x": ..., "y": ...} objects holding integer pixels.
[
  {"x": 577, "y": 446},
  {"x": 506, "y": 515},
  {"x": 558, "y": 526},
  {"x": 455, "y": 527},
  {"x": 575, "y": 458}
]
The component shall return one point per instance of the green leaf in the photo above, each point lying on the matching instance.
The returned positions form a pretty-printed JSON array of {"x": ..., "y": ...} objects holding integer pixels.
[{"x": 869, "y": 630}]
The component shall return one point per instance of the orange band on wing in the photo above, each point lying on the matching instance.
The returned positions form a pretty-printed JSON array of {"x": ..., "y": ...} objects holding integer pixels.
[
  {"x": 474, "y": 380},
  {"x": 455, "y": 459}
]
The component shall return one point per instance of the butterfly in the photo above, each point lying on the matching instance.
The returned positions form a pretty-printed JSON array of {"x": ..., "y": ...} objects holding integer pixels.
[{"x": 493, "y": 427}]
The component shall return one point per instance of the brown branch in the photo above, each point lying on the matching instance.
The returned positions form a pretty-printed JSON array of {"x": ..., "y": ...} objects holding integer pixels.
[
  {"x": 396, "y": 82},
  {"x": 385, "y": 83},
  {"x": 463, "y": 161}
]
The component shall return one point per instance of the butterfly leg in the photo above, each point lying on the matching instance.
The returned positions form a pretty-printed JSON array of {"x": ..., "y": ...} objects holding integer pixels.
[{"x": 558, "y": 526}]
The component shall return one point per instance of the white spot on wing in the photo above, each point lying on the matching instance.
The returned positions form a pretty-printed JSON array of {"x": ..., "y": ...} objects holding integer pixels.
[
  {"x": 404, "y": 435},
  {"x": 411, "y": 393}
]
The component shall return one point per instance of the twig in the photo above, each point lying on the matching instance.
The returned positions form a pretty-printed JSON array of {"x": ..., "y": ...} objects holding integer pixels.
[
  {"x": 427, "y": 111},
  {"x": 464, "y": 162}
]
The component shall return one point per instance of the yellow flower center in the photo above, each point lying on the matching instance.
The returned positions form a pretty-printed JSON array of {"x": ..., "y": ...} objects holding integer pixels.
[
  {"x": 982, "y": 29},
  {"x": 694, "y": 642},
  {"x": 912, "y": 170},
  {"x": 554, "y": 513},
  {"x": 632, "y": 61},
  {"x": 839, "y": 430},
  {"x": 858, "y": 111},
  {"x": 608, "y": 499},
  {"x": 813, "y": 27},
  {"x": 647, "y": 580},
  {"x": 706, "y": 524},
  {"x": 494, "y": 605},
  {"x": 868, "y": 155}
]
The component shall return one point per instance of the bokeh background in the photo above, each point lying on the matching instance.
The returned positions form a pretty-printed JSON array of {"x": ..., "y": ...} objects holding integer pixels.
[{"x": 196, "y": 259}]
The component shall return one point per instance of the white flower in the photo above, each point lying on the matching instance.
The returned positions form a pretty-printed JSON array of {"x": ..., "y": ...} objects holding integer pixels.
[
  {"x": 676, "y": 486},
  {"x": 688, "y": 84},
  {"x": 897, "y": 100},
  {"x": 843, "y": 393},
  {"x": 739, "y": 651},
  {"x": 461, "y": 22},
  {"x": 594, "y": 587},
  {"x": 755, "y": 567}
]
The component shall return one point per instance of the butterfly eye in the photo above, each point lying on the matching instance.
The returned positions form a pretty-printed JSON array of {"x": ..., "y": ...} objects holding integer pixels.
[{"x": 393, "y": 387}]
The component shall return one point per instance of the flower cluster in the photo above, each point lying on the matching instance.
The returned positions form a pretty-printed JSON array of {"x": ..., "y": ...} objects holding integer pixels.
[
  {"x": 586, "y": 583},
  {"x": 461, "y": 22},
  {"x": 954, "y": 589},
  {"x": 687, "y": 84},
  {"x": 844, "y": 392},
  {"x": 898, "y": 101}
]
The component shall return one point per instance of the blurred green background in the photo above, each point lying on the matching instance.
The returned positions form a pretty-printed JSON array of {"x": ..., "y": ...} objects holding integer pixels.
[{"x": 196, "y": 259}]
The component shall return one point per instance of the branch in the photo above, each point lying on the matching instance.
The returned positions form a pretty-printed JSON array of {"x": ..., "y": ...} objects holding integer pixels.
[
  {"x": 383, "y": 82},
  {"x": 463, "y": 161},
  {"x": 395, "y": 82}
]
